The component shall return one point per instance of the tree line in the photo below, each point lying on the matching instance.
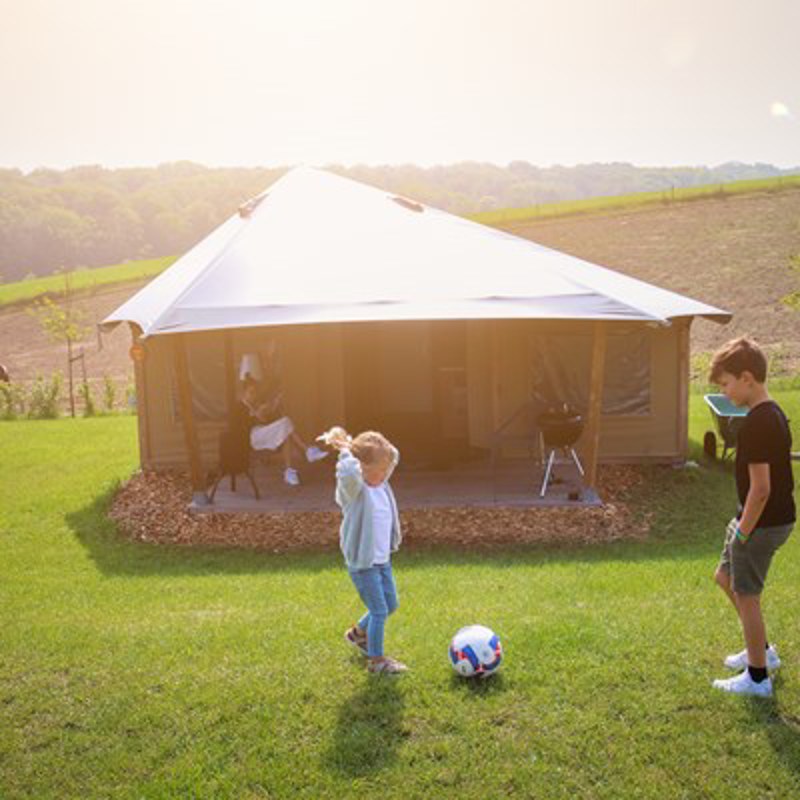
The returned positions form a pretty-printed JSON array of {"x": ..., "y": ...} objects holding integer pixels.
[{"x": 92, "y": 216}]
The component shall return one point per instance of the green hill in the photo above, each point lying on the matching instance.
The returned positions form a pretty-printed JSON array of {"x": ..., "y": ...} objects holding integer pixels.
[{"x": 82, "y": 280}]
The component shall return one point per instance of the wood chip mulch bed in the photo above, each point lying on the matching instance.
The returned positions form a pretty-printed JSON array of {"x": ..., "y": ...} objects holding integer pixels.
[{"x": 153, "y": 507}]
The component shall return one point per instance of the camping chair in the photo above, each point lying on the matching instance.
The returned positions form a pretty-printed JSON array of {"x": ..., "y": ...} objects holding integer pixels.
[{"x": 234, "y": 459}]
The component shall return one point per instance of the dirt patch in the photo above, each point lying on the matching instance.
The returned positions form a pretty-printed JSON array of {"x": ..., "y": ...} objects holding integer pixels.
[
  {"x": 733, "y": 253},
  {"x": 153, "y": 507},
  {"x": 27, "y": 351}
]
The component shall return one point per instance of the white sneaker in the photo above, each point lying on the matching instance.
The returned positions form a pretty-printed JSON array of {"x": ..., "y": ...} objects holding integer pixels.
[
  {"x": 291, "y": 477},
  {"x": 738, "y": 661},
  {"x": 314, "y": 453},
  {"x": 744, "y": 684}
]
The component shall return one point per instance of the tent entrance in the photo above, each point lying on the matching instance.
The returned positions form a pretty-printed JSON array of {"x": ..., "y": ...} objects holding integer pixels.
[{"x": 408, "y": 380}]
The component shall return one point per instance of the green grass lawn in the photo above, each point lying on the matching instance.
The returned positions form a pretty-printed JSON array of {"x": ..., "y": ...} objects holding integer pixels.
[
  {"x": 135, "y": 671},
  {"x": 83, "y": 280}
]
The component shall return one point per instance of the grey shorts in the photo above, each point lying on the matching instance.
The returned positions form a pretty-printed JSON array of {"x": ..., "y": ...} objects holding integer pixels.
[{"x": 748, "y": 562}]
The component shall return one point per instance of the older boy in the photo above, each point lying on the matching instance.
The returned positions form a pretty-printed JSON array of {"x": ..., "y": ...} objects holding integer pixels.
[{"x": 766, "y": 513}]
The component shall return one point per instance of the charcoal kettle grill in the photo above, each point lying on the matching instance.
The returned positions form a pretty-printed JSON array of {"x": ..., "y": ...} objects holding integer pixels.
[{"x": 559, "y": 430}]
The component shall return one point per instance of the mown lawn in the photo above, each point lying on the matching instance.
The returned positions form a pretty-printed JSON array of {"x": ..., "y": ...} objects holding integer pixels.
[{"x": 134, "y": 671}]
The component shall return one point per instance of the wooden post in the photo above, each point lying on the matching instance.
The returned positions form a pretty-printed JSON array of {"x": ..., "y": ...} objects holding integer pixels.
[
  {"x": 494, "y": 355},
  {"x": 139, "y": 355},
  {"x": 595, "y": 403},
  {"x": 230, "y": 374},
  {"x": 187, "y": 417},
  {"x": 683, "y": 386},
  {"x": 69, "y": 375}
]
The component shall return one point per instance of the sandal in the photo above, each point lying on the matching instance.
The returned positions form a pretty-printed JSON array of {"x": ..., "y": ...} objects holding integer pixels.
[
  {"x": 389, "y": 666},
  {"x": 356, "y": 640}
]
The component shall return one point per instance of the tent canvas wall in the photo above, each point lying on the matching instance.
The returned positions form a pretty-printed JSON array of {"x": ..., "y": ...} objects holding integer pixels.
[
  {"x": 388, "y": 314},
  {"x": 392, "y": 376}
]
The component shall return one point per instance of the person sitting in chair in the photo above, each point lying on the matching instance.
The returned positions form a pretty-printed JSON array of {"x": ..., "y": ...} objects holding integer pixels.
[{"x": 270, "y": 429}]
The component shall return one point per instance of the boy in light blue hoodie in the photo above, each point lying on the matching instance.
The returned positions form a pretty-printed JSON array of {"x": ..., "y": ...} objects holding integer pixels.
[{"x": 369, "y": 534}]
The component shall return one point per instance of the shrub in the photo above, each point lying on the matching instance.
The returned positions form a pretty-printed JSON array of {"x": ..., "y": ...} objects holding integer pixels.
[
  {"x": 699, "y": 366},
  {"x": 12, "y": 400},
  {"x": 109, "y": 392},
  {"x": 45, "y": 397},
  {"x": 85, "y": 393}
]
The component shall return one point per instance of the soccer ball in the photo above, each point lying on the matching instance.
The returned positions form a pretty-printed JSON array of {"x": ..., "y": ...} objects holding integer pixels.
[{"x": 475, "y": 650}]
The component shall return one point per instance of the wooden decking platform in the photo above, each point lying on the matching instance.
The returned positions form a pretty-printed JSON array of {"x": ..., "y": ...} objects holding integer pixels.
[{"x": 511, "y": 484}]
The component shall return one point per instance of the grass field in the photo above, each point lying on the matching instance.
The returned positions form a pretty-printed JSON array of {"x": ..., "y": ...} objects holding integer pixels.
[
  {"x": 135, "y": 671},
  {"x": 83, "y": 280},
  {"x": 630, "y": 202}
]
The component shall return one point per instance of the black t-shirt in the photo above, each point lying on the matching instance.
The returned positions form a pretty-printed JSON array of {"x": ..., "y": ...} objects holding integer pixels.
[{"x": 765, "y": 438}]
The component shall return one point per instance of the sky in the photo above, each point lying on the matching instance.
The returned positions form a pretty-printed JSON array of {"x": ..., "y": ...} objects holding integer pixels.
[{"x": 264, "y": 83}]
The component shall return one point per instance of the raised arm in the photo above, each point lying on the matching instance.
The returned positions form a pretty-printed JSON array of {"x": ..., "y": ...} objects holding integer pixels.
[{"x": 349, "y": 479}]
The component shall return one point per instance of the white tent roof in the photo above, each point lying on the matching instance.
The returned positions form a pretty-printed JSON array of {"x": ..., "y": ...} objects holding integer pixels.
[{"x": 321, "y": 248}]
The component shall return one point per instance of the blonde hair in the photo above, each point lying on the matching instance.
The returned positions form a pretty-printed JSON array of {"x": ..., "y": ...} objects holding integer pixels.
[
  {"x": 368, "y": 447},
  {"x": 371, "y": 446}
]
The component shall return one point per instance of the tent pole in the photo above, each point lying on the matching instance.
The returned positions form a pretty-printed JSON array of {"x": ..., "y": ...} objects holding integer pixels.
[
  {"x": 187, "y": 415},
  {"x": 595, "y": 402}
]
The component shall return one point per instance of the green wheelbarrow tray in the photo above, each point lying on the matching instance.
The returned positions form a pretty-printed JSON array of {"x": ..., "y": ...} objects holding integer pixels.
[{"x": 728, "y": 419}]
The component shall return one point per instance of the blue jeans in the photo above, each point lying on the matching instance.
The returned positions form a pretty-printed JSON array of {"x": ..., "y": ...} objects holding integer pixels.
[{"x": 377, "y": 589}]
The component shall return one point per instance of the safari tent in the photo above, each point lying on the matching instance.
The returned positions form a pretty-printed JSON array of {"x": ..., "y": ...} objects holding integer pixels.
[{"x": 380, "y": 312}]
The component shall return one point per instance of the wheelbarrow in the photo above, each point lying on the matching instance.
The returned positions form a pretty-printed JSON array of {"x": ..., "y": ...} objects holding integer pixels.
[{"x": 728, "y": 419}]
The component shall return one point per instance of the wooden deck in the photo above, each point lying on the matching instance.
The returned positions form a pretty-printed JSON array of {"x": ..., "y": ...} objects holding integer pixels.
[{"x": 511, "y": 484}]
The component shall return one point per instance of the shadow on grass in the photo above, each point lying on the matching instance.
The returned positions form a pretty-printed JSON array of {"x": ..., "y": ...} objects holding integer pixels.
[
  {"x": 369, "y": 729},
  {"x": 116, "y": 555},
  {"x": 478, "y": 688},
  {"x": 782, "y": 729},
  {"x": 688, "y": 511}
]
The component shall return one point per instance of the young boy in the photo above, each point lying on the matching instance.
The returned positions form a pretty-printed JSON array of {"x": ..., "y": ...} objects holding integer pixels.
[{"x": 766, "y": 511}]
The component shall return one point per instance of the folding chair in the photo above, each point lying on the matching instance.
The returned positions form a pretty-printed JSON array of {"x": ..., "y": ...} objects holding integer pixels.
[{"x": 234, "y": 459}]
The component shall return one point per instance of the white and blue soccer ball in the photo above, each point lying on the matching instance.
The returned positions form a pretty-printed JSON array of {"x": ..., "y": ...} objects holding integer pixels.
[{"x": 475, "y": 651}]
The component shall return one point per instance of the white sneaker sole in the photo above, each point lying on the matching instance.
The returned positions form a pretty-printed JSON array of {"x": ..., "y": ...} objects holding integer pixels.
[{"x": 733, "y": 686}]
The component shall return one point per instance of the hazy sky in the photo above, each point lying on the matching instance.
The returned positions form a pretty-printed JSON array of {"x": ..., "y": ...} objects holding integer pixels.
[{"x": 257, "y": 82}]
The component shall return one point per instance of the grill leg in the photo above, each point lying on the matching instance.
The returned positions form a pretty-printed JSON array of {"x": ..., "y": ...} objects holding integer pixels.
[
  {"x": 576, "y": 460},
  {"x": 547, "y": 471}
]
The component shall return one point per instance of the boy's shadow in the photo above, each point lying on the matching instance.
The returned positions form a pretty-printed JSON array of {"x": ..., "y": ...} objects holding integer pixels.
[
  {"x": 369, "y": 728},
  {"x": 782, "y": 729}
]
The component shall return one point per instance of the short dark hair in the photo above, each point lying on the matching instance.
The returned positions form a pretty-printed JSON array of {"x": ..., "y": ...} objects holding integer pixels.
[{"x": 738, "y": 356}]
